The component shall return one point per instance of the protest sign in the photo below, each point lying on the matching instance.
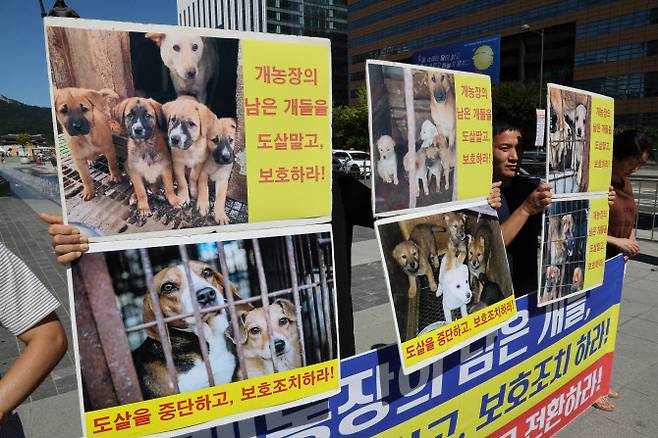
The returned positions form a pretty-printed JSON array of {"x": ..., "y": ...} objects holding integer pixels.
[
  {"x": 448, "y": 280},
  {"x": 531, "y": 378},
  {"x": 185, "y": 330},
  {"x": 246, "y": 116},
  {"x": 430, "y": 136},
  {"x": 579, "y": 135}
]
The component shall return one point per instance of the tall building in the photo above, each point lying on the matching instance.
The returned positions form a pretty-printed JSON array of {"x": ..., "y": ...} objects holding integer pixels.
[
  {"x": 605, "y": 46},
  {"x": 321, "y": 18}
]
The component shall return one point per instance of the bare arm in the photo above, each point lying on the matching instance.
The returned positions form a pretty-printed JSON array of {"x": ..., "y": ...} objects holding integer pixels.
[{"x": 46, "y": 344}]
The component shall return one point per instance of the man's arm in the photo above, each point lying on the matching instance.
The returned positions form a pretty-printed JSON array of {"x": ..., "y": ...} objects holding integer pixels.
[
  {"x": 46, "y": 344},
  {"x": 538, "y": 201}
]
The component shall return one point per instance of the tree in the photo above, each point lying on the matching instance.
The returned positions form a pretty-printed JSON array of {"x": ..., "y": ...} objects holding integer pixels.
[
  {"x": 516, "y": 102},
  {"x": 350, "y": 124},
  {"x": 24, "y": 140}
]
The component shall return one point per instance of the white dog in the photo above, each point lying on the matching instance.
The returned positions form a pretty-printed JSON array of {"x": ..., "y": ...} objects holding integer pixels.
[
  {"x": 580, "y": 121},
  {"x": 427, "y": 133},
  {"x": 191, "y": 59},
  {"x": 387, "y": 166},
  {"x": 456, "y": 291}
]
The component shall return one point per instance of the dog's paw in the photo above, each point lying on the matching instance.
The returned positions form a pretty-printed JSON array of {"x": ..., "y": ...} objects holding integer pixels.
[
  {"x": 184, "y": 199},
  {"x": 202, "y": 208},
  {"x": 87, "y": 194},
  {"x": 221, "y": 218},
  {"x": 144, "y": 212},
  {"x": 115, "y": 178},
  {"x": 174, "y": 201}
]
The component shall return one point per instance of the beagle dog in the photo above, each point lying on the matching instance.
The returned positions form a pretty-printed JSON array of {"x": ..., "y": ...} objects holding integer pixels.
[
  {"x": 188, "y": 125},
  {"x": 148, "y": 154},
  {"x": 175, "y": 298},
  {"x": 218, "y": 166},
  {"x": 256, "y": 339},
  {"x": 191, "y": 59},
  {"x": 87, "y": 131}
]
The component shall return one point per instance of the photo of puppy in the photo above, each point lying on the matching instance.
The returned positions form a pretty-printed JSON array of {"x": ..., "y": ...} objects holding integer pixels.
[
  {"x": 81, "y": 114},
  {"x": 191, "y": 60},
  {"x": 568, "y": 139},
  {"x": 218, "y": 167},
  {"x": 453, "y": 246},
  {"x": 403, "y": 98},
  {"x": 164, "y": 320},
  {"x": 113, "y": 107},
  {"x": 564, "y": 250},
  {"x": 148, "y": 155},
  {"x": 256, "y": 341},
  {"x": 387, "y": 165}
]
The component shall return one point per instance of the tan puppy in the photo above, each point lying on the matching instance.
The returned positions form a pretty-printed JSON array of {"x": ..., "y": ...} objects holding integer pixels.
[
  {"x": 218, "y": 166},
  {"x": 87, "y": 131},
  {"x": 577, "y": 279},
  {"x": 423, "y": 236},
  {"x": 256, "y": 339},
  {"x": 446, "y": 162},
  {"x": 188, "y": 125},
  {"x": 442, "y": 103},
  {"x": 478, "y": 258},
  {"x": 414, "y": 262},
  {"x": 191, "y": 60},
  {"x": 148, "y": 154},
  {"x": 552, "y": 281}
]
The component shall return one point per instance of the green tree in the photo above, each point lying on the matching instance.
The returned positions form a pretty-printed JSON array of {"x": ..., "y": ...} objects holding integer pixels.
[
  {"x": 516, "y": 102},
  {"x": 350, "y": 124},
  {"x": 24, "y": 140}
]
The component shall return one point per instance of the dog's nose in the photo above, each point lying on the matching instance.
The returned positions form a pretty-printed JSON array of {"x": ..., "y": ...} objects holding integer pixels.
[
  {"x": 174, "y": 139},
  {"x": 76, "y": 124},
  {"x": 206, "y": 296},
  {"x": 190, "y": 74},
  {"x": 138, "y": 131},
  {"x": 279, "y": 346}
]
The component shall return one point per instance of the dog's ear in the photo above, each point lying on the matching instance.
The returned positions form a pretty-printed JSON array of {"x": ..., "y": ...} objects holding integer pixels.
[
  {"x": 57, "y": 94},
  {"x": 97, "y": 97},
  {"x": 481, "y": 240},
  {"x": 288, "y": 308},
  {"x": 167, "y": 108},
  {"x": 148, "y": 315},
  {"x": 119, "y": 110},
  {"x": 159, "y": 114},
  {"x": 156, "y": 37},
  {"x": 207, "y": 118}
]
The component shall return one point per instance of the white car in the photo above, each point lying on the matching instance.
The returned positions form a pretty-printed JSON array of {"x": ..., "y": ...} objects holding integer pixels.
[{"x": 356, "y": 163}]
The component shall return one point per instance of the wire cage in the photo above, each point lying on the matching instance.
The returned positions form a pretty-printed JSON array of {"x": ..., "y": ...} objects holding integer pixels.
[
  {"x": 565, "y": 246},
  {"x": 110, "y": 289}
]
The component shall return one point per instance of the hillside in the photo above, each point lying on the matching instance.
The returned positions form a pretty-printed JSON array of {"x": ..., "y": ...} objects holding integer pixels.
[{"x": 16, "y": 117}]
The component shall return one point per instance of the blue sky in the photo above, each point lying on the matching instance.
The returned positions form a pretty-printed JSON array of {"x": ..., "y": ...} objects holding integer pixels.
[{"x": 23, "y": 75}]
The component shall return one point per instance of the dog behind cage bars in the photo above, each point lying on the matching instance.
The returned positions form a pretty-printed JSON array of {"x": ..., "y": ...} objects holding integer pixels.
[{"x": 279, "y": 314}]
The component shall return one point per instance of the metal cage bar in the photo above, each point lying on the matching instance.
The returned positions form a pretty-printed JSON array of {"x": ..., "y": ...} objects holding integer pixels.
[
  {"x": 325, "y": 297},
  {"x": 203, "y": 344},
  {"x": 295, "y": 295}
]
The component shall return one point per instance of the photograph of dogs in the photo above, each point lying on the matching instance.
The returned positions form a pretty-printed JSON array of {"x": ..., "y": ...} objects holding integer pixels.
[
  {"x": 419, "y": 169},
  {"x": 441, "y": 267},
  {"x": 568, "y": 139},
  {"x": 252, "y": 337},
  {"x": 162, "y": 111},
  {"x": 564, "y": 250}
]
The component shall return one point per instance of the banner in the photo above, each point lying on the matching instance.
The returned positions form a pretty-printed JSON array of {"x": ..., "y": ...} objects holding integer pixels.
[
  {"x": 169, "y": 128},
  {"x": 531, "y": 378},
  {"x": 479, "y": 56}
]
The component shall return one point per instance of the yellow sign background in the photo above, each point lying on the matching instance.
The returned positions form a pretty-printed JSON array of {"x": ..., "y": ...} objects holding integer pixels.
[{"x": 600, "y": 144}]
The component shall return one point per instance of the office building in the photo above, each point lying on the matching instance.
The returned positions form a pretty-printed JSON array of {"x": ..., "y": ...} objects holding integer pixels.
[
  {"x": 321, "y": 18},
  {"x": 605, "y": 46}
]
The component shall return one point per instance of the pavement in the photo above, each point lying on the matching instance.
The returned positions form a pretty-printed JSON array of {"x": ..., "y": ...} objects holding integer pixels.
[{"x": 53, "y": 408}]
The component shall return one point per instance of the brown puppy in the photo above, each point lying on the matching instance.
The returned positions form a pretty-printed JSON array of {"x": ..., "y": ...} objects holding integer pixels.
[
  {"x": 423, "y": 236},
  {"x": 577, "y": 279},
  {"x": 188, "y": 124},
  {"x": 218, "y": 166},
  {"x": 87, "y": 131},
  {"x": 551, "y": 283},
  {"x": 442, "y": 103},
  {"x": 446, "y": 162},
  {"x": 175, "y": 297},
  {"x": 414, "y": 262},
  {"x": 148, "y": 154},
  {"x": 256, "y": 339}
]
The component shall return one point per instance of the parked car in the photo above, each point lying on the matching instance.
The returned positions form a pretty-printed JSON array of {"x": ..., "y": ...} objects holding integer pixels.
[{"x": 356, "y": 163}]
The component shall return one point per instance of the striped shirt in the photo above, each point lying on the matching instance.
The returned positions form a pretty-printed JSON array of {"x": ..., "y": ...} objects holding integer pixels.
[{"x": 24, "y": 300}]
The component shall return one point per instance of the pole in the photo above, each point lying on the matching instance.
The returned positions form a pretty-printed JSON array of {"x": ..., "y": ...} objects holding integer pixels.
[{"x": 541, "y": 67}]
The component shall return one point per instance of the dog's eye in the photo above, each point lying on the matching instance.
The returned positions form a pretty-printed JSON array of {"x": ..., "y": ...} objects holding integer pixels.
[
  {"x": 84, "y": 108},
  {"x": 231, "y": 140},
  {"x": 64, "y": 109},
  {"x": 207, "y": 272},
  {"x": 254, "y": 331},
  {"x": 195, "y": 47},
  {"x": 191, "y": 124},
  {"x": 404, "y": 256},
  {"x": 167, "y": 288},
  {"x": 283, "y": 322},
  {"x": 215, "y": 140},
  {"x": 130, "y": 116},
  {"x": 433, "y": 79},
  {"x": 148, "y": 116},
  {"x": 176, "y": 48}
]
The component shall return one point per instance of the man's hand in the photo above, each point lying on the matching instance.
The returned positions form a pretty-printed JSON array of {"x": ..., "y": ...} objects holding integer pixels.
[
  {"x": 538, "y": 201},
  {"x": 494, "y": 199},
  {"x": 629, "y": 247},
  {"x": 612, "y": 195},
  {"x": 68, "y": 243}
]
